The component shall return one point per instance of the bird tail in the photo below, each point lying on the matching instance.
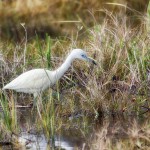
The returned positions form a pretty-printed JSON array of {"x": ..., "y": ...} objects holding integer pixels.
[{"x": 5, "y": 87}]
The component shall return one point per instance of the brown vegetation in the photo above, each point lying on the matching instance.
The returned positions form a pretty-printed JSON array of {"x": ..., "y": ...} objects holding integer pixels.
[
  {"x": 118, "y": 86},
  {"x": 62, "y": 17}
]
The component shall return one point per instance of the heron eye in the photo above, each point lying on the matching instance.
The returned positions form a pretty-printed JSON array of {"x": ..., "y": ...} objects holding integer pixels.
[{"x": 83, "y": 55}]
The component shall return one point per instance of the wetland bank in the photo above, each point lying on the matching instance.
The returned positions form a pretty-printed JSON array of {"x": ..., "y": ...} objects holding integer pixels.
[{"x": 91, "y": 107}]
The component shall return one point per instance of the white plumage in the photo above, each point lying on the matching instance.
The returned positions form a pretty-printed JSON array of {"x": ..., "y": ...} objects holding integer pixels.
[
  {"x": 37, "y": 80},
  {"x": 33, "y": 81}
]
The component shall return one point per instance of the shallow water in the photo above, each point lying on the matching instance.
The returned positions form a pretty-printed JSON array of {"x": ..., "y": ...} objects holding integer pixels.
[
  {"x": 76, "y": 136},
  {"x": 39, "y": 142}
]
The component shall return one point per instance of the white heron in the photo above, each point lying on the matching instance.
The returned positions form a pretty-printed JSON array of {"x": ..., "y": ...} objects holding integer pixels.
[{"x": 36, "y": 81}]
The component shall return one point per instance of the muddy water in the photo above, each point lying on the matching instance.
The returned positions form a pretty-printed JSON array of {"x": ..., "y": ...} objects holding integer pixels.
[
  {"x": 67, "y": 138},
  {"x": 30, "y": 138},
  {"x": 76, "y": 136},
  {"x": 62, "y": 142}
]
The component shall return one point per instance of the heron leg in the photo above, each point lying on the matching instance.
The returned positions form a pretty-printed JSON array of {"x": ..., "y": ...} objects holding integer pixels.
[
  {"x": 39, "y": 105},
  {"x": 35, "y": 99},
  {"x": 37, "y": 102}
]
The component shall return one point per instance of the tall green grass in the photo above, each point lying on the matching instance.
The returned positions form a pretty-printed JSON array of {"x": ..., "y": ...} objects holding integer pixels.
[
  {"x": 8, "y": 117},
  {"x": 47, "y": 110},
  {"x": 48, "y": 51}
]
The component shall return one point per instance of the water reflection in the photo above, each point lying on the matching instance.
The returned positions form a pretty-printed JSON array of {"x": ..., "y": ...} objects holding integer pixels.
[
  {"x": 39, "y": 142},
  {"x": 66, "y": 139},
  {"x": 74, "y": 136}
]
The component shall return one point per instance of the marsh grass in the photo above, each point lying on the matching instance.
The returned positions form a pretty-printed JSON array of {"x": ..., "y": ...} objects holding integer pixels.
[
  {"x": 48, "y": 51},
  {"x": 52, "y": 17},
  {"x": 6, "y": 113},
  {"x": 117, "y": 85},
  {"x": 133, "y": 138},
  {"x": 40, "y": 15},
  {"x": 48, "y": 120},
  {"x": 9, "y": 124}
]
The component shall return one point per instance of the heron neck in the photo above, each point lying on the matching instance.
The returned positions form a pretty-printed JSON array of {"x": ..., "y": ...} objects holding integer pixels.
[{"x": 58, "y": 73}]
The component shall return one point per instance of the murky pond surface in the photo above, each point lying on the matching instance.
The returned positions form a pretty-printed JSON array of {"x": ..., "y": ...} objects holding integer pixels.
[
  {"x": 40, "y": 142},
  {"x": 75, "y": 136}
]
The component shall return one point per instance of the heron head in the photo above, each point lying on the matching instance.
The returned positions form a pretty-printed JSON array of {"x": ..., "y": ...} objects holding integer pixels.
[{"x": 80, "y": 54}]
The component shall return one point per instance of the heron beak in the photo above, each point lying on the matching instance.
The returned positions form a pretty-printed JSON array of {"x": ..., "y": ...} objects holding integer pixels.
[{"x": 92, "y": 60}]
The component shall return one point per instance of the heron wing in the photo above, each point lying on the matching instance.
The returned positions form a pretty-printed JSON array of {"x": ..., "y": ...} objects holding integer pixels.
[{"x": 31, "y": 81}]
